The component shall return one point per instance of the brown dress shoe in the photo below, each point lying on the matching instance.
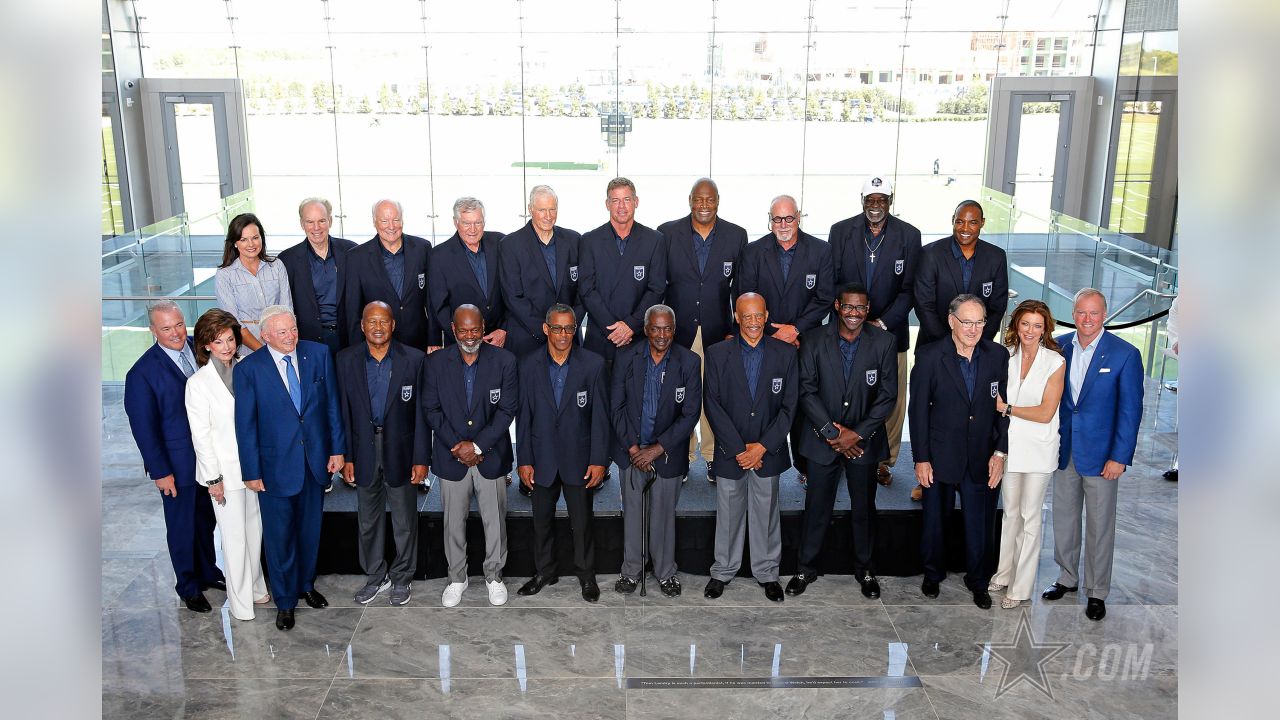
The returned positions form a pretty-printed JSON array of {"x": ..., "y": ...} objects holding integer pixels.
[
  {"x": 916, "y": 493},
  {"x": 884, "y": 476}
]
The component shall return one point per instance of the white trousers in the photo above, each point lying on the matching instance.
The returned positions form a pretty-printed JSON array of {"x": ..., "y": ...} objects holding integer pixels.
[
  {"x": 1023, "y": 497},
  {"x": 240, "y": 523}
]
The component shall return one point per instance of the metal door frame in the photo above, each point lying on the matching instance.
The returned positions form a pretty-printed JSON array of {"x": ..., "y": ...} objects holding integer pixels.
[
  {"x": 173, "y": 153},
  {"x": 1066, "y": 100},
  {"x": 1162, "y": 201}
]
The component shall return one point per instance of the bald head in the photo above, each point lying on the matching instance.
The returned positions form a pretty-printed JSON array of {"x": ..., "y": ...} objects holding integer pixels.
[{"x": 468, "y": 328}]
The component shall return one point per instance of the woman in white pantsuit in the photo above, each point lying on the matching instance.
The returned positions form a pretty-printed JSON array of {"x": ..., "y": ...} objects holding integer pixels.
[
  {"x": 1036, "y": 376},
  {"x": 211, "y": 411}
]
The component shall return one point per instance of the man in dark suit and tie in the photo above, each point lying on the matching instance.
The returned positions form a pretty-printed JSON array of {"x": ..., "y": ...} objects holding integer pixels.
[
  {"x": 563, "y": 445},
  {"x": 388, "y": 449},
  {"x": 318, "y": 269},
  {"x": 464, "y": 271},
  {"x": 539, "y": 269},
  {"x": 393, "y": 268},
  {"x": 1099, "y": 417},
  {"x": 470, "y": 396},
  {"x": 959, "y": 443},
  {"x": 624, "y": 272},
  {"x": 848, "y": 387},
  {"x": 703, "y": 256},
  {"x": 751, "y": 394},
  {"x": 655, "y": 400},
  {"x": 155, "y": 401},
  {"x": 960, "y": 264},
  {"x": 290, "y": 437},
  {"x": 881, "y": 252}
]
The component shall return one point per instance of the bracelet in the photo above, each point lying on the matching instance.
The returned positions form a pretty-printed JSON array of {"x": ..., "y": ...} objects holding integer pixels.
[{"x": 215, "y": 481}]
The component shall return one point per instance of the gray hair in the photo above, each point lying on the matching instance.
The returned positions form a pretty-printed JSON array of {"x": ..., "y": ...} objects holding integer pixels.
[
  {"x": 618, "y": 182},
  {"x": 160, "y": 306},
  {"x": 659, "y": 309},
  {"x": 467, "y": 204},
  {"x": 271, "y": 311},
  {"x": 705, "y": 181},
  {"x": 559, "y": 309},
  {"x": 399, "y": 207},
  {"x": 328, "y": 208},
  {"x": 542, "y": 190},
  {"x": 1089, "y": 292},
  {"x": 963, "y": 298},
  {"x": 779, "y": 199}
]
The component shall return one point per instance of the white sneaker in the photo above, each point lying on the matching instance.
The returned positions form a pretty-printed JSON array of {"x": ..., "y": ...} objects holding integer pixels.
[
  {"x": 497, "y": 592},
  {"x": 453, "y": 594}
]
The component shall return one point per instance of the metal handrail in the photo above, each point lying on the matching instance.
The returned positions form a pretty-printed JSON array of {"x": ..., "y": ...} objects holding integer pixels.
[{"x": 1134, "y": 300}]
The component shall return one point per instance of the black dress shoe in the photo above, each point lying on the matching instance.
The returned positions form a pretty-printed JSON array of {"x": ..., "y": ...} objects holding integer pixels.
[
  {"x": 870, "y": 586},
  {"x": 982, "y": 599},
  {"x": 284, "y": 619},
  {"x": 1056, "y": 591},
  {"x": 929, "y": 588},
  {"x": 715, "y": 589},
  {"x": 590, "y": 590},
  {"x": 217, "y": 585},
  {"x": 773, "y": 591},
  {"x": 800, "y": 582},
  {"x": 197, "y": 603},
  {"x": 535, "y": 585},
  {"x": 625, "y": 585},
  {"x": 1096, "y": 609},
  {"x": 314, "y": 599}
]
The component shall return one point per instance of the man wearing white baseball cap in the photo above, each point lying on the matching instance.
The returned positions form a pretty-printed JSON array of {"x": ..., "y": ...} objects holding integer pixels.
[{"x": 881, "y": 252}]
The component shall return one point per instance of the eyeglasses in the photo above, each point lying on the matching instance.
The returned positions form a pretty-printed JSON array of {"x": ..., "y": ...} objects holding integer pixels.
[
  {"x": 969, "y": 324},
  {"x": 562, "y": 329},
  {"x": 845, "y": 307},
  {"x": 782, "y": 219}
]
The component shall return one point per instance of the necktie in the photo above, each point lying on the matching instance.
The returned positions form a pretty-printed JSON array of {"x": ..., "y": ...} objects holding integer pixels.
[
  {"x": 186, "y": 365},
  {"x": 295, "y": 387}
]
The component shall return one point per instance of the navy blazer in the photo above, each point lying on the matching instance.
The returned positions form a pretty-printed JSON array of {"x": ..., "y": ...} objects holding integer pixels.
[
  {"x": 527, "y": 290},
  {"x": 1103, "y": 425},
  {"x": 487, "y": 422},
  {"x": 897, "y": 256},
  {"x": 736, "y": 419},
  {"x": 956, "y": 435},
  {"x": 275, "y": 441},
  {"x": 939, "y": 281},
  {"x": 406, "y": 439},
  {"x": 805, "y": 297},
  {"x": 566, "y": 440},
  {"x": 620, "y": 288},
  {"x": 702, "y": 299},
  {"x": 155, "y": 401},
  {"x": 863, "y": 405},
  {"x": 297, "y": 265},
  {"x": 368, "y": 282},
  {"x": 679, "y": 405},
  {"x": 451, "y": 283}
]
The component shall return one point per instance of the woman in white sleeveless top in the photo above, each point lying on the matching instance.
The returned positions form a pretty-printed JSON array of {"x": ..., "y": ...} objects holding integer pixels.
[{"x": 1036, "y": 376}]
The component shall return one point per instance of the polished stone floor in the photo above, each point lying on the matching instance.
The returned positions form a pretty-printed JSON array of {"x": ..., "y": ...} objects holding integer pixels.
[{"x": 828, "y": 654}]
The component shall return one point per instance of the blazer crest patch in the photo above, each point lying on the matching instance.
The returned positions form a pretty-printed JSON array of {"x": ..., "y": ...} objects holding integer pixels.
[
  {"x": 406, "y": 392},
  {"x": 582, "y": 398},
  {"x": 897, "y": 266},
  {"x": 872, "y": 375},
  {"x": 495, "y": 395},
  {"x": 810, "y": 280},
  {"x": 995, "y": 388},
  {"x": 777, "y": 385},
  {"x": 986, "y": 289},
  {"x": 573, "y": 273},
  {"x": 679, "y": 394},
  {"x": 637, "y": 272},
  {"x": 728, "y": 268},
  {"x": 422, "y": 280}
]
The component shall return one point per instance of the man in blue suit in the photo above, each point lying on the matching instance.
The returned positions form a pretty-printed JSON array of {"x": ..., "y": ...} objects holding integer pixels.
[
  {"x": 1099, "y": 416},
  {"x": 464, "y": 271},
  {"x": 959, "y": 443},
  {"x": 154, "y": 399},
  {"x": 563, "y": 445},
  {"x": 290, "y": 436}
]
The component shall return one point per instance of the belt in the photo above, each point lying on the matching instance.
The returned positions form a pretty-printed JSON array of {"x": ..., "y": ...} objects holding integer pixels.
[{"x": 377, "y": 429}]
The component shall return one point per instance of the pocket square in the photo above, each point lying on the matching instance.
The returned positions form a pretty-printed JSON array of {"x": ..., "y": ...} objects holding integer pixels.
[{"x": 1105, "y": 370}]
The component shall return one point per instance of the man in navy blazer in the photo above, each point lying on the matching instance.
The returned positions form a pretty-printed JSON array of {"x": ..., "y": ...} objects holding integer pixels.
[
  {"x": 317, "y": 269},
  {"x": 624, "y": 272},
  {"x": 464, "y": 271},
  {"x": 792, "y": 271},
  {"x": 388, "y": 448},
  {"x": 959, "y": 443},
  {"x": 393, "y": 268},
  {"x": 290, "y": 437},
  {"x": 881, "y": 252},
  {"x": 704, "y": 253},
  {"x": 563, "y": 445},
  {"x": 1099, "y": 417},
  {"x": 154, "y": 400},
  {"x": 470, "y": 396},
  {"x": 848, "y": 387},
  {"x": 539, "y": 269},
  {"x": 655, "y": 400},
  {"x": 751, "y": 394},
  {"x": 959, "y": 264}
]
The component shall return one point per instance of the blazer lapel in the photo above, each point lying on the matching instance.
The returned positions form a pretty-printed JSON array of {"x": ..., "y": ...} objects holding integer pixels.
[
  {"x": 686, "y": 247},
  {"x": 886, "y": 252},
  {"x": 858, "y": 373},
  {"x": 571, "y": 382},
  {"x": 411, "y": 253},
  {"x": 797, "y": 262},
  {"x": 1095, "y": 364},
  {"x": 398, "y": 367},
  {"x": 953, "y": 369},
  {"x": 953, "y": 266},
  {"x": 490, "y": 247},
  {"x": 829, "y": 353}
]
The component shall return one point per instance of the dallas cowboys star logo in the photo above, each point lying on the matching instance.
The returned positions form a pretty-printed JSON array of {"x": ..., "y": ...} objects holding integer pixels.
[{"x": 1024, "y": 659}]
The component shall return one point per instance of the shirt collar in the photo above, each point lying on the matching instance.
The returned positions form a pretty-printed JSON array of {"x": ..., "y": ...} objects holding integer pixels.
[
  {"x": 956, "y": 252},
  {"x": 746, "y": 346},
  {"x": 1075, "y": 340},
  {"x": 277, "y": 356},
  {"x": 328, "y": 248},
  {"x": 175, "y": 354},
  {"x": 388, "y": 253}
]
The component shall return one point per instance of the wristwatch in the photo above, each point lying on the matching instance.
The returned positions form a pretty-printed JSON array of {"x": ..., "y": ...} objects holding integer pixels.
[{"x": 1001, "y": 455}]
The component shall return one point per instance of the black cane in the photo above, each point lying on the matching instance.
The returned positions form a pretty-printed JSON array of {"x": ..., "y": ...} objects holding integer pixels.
[{"x": 644, "y": 529}]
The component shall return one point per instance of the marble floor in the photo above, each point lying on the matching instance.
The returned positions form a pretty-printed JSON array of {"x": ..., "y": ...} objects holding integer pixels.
[{"x": 828, "y": 654}]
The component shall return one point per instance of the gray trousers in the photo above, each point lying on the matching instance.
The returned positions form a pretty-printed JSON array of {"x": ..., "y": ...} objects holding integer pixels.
[
  {"x": 372, "y": 518},
  {"x": 748, "y": 504},
  {"x": 1095, "y": 496},
  {"x": 491, "y": 499},
  {"x": 663, "y": 497}
]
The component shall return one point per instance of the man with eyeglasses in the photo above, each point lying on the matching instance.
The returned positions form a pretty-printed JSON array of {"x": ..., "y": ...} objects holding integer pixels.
[
  {"x": 959, "y": 443},
  {"x": 464, "y": 271},
  {"x": 848, "y": 387},
  {"x": 960, "y": 264},
  {"x": 563, "y": 431},
  {"x": 1099, "y": 417},
  {"x": 881, "y": 252},
  {"x": 393, "y": 268}
]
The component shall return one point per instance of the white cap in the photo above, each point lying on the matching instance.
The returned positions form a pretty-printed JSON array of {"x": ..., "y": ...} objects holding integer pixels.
[{"x": 877, "y": 184}]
